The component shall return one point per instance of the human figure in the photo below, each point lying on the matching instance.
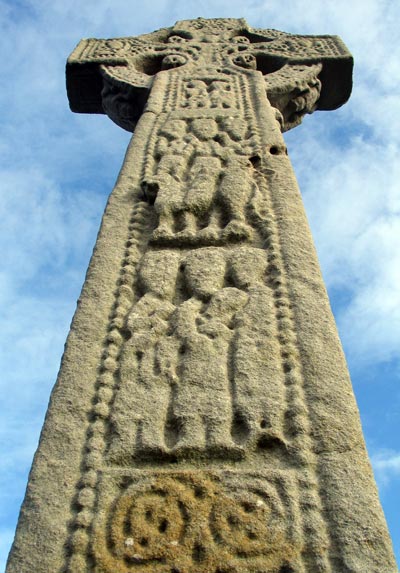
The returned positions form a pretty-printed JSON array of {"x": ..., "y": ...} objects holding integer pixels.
[
  {"x": 196, "y": 94},
  {"x": 144, "y": 386},
  {"x": 203, "y": 325},
  {"x": 236, "y": 182},
  {"x": 235, "y": 134},
  {"x": 204, "y": 174},
  {"x": 258, "y": 380},
  {"x": 235, "y": 190},
  {"x": 165, "y": 187},
  {"x": 201, "y": 171},
  {"x": 220, "y": 94}
]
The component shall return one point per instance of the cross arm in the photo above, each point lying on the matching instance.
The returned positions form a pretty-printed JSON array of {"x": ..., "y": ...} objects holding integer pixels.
[
  {"x": 85, "y": 66},
  {"x": 274, "y": 49}
]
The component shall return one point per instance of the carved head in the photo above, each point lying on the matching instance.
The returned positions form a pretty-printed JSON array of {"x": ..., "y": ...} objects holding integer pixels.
[
  {"x": 158, "y": 272},
  {"x": 196, "y": 85},
  {"x": 225, "y": 303},
  {"x": 204, "y": 128},
  {"x": 235, "y": 127},
  {"x": 119, "y": 104},
  {"x": 294, "y": 90},
  {"x": 173, "y": 128},
  {"x": 248, "y": 267},
  {"x": 205, "y": 272}
]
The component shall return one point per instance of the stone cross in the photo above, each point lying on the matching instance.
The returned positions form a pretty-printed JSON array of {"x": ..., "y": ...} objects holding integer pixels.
[{"x": 203, "y": 420}]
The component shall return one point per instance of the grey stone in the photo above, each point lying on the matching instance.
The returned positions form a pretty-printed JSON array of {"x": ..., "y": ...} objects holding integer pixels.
[{"x": 203, "y": 420}]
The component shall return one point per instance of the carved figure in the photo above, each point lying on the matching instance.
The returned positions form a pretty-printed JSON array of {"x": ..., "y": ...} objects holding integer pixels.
[
  {"x": 196, "y": 94},
  {"x": 118, "y": 102},
  {"x": 294, "y": 101},
  {"x": 204, "y": 174},
  {"x": 220, "y": 94},
  {"x": 206, "y": 364},
  {"x": 204, "y": 327},
  {"x": 236, "y": 128},
  {"x": 200, "y": 173},
  {"x": 236, "y": 187},
  {"x": 144, "y": 386},
  {"x": 257, "y": 377}
]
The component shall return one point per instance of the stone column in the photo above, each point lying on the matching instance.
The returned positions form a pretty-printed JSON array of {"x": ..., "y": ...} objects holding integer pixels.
[{"x": 203, "y": 420}]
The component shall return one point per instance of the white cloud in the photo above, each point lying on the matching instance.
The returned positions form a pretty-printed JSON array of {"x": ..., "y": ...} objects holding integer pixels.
[
  {"x": 351, "y": 192},
  {"x": 386, "y": 465}
]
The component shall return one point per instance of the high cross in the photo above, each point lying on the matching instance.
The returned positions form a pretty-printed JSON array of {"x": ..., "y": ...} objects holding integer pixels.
[
  {"x": 208, "y": 49},
  {"x": 203, "y": 420},
  {"x": 218, "y": 76}
]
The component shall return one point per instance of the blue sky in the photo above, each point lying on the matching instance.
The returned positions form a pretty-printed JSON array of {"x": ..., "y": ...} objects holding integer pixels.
[{"x": 57, "y": 169}]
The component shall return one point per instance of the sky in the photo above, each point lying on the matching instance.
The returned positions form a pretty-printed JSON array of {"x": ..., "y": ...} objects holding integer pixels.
[{"x": 57, "y": 169}]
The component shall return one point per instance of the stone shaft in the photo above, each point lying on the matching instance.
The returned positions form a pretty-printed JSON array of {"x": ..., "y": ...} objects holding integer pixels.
[{"x": 203, "y": 420}]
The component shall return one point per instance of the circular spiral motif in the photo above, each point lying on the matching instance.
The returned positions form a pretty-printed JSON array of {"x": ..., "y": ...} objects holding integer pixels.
[
  {"x": 150, "y": 524},
  {"x": 194, "y": 525},
  {"x": 241, "y": 40},
  {"x": 241, "y": 527},
  {"x": 173, "y": 61}
]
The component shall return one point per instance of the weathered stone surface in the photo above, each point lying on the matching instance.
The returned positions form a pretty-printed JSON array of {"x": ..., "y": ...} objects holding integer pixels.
[{"x": 203, "y": 419}]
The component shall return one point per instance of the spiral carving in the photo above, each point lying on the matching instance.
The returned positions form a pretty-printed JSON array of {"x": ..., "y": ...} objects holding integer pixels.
[{"x": 189, "y": 523}]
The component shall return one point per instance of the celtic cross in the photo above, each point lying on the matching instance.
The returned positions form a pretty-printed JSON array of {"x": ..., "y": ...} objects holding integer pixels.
[
  {"x": 203, "y": 420},
  {"x": 216, "y": 93}
]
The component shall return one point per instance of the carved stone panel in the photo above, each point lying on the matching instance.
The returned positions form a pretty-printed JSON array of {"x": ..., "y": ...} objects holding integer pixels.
[
  {"x": 200, "y": 371},
  {"x": 200, "y": 177},
  {"x": 196, "y": 522}
]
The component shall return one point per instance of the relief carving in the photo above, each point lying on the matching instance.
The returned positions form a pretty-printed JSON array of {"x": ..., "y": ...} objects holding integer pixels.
[
  {"x": 198, "y": 522},
  {"x": 201, "y": 371},
  {"x": 220, "y": 45},
  {"x": 259, "y": 389},
  {"x": 145, "y": 386},
  {"x": 294, "y": 91},
  {"x": 208, "y": 94},
  {"x": 173, "y": 61},
  {"x": 119, "y": 103},
  {"x": 203, "y": 327},
  {"x": 200, "y": 367},
  {"x": 202, "y": 181}
]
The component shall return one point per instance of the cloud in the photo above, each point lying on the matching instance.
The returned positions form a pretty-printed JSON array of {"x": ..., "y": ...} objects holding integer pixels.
[
  {"x": 386, "y": 465},
  {"x": 351, "y": 195}
]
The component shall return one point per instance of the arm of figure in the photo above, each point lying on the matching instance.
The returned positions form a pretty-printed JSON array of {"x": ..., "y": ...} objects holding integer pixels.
[{"x": 166, "y": 358}]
